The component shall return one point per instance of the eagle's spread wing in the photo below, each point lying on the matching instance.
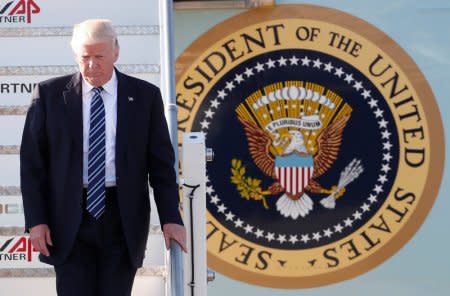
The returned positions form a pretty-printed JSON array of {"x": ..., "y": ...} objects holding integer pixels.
[
  {"x": 258, "y": 144},
  {"x": 329, "y": 143}
]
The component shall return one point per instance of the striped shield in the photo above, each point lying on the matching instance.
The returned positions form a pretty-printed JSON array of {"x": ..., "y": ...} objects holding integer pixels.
[{"x": 294, "y": 172}]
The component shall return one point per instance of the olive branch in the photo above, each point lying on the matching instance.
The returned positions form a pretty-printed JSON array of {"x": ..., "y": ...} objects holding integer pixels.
[{"x": 248, "y": 187}]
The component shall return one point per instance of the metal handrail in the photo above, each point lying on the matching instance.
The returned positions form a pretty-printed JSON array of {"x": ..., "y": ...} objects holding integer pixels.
[
  {"x": 176, "y": 269},
  {"x": 168, "y": 82}
]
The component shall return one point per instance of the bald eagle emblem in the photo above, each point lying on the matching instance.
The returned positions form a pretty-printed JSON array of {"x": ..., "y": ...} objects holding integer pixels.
[{"x": 294, "y": 132}]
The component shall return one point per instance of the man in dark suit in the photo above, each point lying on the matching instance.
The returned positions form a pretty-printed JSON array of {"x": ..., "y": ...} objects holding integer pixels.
[{"x": 92, "y": 142}]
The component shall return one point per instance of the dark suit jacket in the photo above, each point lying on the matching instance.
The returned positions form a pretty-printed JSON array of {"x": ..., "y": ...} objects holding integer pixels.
[{"x": 51, "y": 162}]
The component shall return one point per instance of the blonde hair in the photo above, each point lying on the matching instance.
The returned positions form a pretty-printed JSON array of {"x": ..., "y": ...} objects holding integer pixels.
[{"x": 93, "y": 31}]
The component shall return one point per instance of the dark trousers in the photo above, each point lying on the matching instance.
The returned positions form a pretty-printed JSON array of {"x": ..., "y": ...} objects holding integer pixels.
[{"x": 99, "y": 264}]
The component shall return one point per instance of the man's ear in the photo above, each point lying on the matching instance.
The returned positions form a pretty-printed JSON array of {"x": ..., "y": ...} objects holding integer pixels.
[{"x": 116, "y": 54}]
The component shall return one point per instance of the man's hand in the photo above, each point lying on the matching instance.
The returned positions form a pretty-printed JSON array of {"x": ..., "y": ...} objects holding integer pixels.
[
  {"x": 176, "y": 232},
  {"x": 40, "y": 237}
]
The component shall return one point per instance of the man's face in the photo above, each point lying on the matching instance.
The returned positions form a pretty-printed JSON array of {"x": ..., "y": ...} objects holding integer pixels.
[{"x": 96, "y": 62}]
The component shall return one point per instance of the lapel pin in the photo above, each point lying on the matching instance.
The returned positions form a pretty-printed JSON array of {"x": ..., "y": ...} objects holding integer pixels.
[{"x": 130, "y": 99}]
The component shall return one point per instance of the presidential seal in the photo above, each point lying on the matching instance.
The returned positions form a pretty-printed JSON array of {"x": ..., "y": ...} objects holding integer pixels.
[{"x": 328, "y": 144}]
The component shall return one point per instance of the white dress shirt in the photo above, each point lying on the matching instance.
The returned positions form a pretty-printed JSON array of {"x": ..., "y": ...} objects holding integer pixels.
[{"x": 109, "y": 96}]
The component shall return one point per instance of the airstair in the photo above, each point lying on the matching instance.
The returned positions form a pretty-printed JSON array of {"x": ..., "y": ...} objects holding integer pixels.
[{"x": 35, "y": 36}]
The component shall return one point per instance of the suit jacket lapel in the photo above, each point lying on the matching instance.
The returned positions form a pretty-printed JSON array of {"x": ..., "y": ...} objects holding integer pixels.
[
  {"x": 73, "y": 102},
  {"x": 124, "y": 118},
  {"x": 74, "y": 108}
]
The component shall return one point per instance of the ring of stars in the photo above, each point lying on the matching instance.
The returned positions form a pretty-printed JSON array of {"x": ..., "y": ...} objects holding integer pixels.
[{"x": 370, "y": 201}]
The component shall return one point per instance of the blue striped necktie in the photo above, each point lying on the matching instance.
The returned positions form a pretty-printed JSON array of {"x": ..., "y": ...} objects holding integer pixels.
[{"x": 96, "y": 157}]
